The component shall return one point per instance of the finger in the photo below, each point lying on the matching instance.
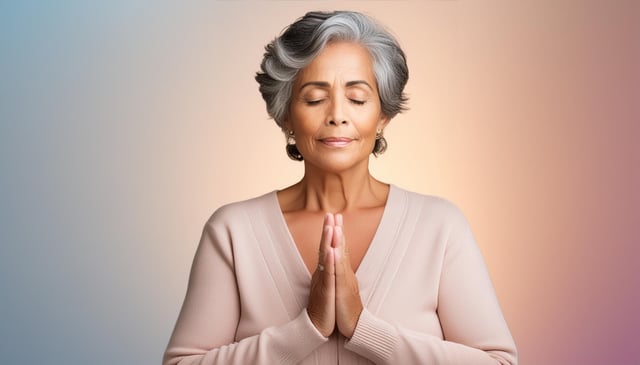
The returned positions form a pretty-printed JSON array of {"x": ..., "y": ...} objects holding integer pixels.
[
  {"x": 338, "y": 223},
  {"x": 338, "y": 244},
  {"x": 330, "y": 265},
  {"x": 325, "y": 254},
  {"x": 329, "y": 219},
  {"x": 342, "y": 261},
  {"x": 338, "y": 241},
  {"x": 325, "y": 239}
]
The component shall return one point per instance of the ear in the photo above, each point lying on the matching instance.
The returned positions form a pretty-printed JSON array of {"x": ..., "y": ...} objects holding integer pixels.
[
  {"x": 286, "y": 125},
  {"x": 384, "y": 120}
]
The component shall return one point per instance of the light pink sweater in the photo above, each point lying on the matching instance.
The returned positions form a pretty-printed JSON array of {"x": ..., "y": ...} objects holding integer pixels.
[{"x": 427, "y": 295}]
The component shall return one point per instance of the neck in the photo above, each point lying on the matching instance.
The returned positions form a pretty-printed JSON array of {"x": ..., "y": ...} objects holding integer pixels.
[{"x": 339, "y": 192}]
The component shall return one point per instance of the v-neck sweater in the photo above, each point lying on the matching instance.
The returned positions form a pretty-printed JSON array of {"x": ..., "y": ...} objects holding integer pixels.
[{"x": 426, "y": 292}]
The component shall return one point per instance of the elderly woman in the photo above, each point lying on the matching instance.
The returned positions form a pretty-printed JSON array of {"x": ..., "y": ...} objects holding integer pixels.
[{"x": 338, "y": 268}]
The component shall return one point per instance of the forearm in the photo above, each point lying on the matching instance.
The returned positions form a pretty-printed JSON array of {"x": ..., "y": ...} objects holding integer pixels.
[
  {"x": 286, "y": 344},
  {"x": 384, "y": 343}
]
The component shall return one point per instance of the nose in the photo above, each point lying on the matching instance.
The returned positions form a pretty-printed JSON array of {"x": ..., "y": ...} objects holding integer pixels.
[{"x": 337, "y": 115}]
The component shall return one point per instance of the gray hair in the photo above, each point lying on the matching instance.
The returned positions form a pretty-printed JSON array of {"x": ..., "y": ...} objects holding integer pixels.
[{"x": 301, "y": 42}]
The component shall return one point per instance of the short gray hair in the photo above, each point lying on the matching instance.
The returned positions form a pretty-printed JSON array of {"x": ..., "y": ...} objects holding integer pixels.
[{"x": 301, "y": 42}]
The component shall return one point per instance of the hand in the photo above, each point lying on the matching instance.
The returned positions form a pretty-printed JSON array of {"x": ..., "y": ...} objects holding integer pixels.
[
  {"x": 322, "y": 295},
  {"x": 348, "y": 303},
  {"x": 334, "y": 298}
]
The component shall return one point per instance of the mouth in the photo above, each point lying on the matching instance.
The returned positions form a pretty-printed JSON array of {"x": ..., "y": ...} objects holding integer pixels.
[{"x": 336, "y": 141}]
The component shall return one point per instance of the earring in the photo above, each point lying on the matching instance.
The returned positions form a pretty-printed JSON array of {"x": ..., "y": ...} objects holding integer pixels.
[
  {"x": 291, "y": 148},
  {"x": 381, "y": 143},
  {"x": 291, "y": 138}
]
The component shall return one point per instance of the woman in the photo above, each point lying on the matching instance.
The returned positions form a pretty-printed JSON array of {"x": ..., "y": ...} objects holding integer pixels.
[{"x": 338, "y": 268}]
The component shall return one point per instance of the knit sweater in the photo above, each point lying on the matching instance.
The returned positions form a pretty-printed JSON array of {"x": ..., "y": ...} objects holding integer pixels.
[{"x": 426, "y": 292}]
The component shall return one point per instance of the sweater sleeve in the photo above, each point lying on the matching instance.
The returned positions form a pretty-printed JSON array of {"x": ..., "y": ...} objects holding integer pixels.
[
  {"x": 205, "y": 330},
  {"x": 474, "y": 328}
]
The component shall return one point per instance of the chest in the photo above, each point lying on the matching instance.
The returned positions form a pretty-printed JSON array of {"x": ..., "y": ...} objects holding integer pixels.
[{"x": 359, "y": 230}]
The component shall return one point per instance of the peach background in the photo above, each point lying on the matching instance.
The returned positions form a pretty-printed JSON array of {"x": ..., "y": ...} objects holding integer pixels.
[{"x": 124, "y": 125}]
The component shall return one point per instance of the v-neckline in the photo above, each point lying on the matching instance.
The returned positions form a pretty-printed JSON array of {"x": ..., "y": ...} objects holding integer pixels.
[{"x": 369, "y": 255}]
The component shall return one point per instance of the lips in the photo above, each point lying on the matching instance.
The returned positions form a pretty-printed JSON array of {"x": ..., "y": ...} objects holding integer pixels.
[{"x": 336, "y": 141}]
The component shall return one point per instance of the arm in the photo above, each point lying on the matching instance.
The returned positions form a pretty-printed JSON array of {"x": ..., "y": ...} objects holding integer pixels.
[
  {"x": 205, "y": 329},
  {"x": 474, "y": 329}
]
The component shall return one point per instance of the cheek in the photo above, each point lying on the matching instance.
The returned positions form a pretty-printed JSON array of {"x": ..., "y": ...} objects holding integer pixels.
[
  {"x": 305, "y": 122},
  {"x": 369, "y": 124}
]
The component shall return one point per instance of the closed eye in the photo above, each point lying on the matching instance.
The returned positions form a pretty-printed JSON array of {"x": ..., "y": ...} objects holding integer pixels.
[
  {"x": 357, "y": 102},
  {"x": 314, "y": 102}
]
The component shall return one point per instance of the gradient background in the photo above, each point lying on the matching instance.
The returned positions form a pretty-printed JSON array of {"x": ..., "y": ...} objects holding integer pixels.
[{"x": 124, "y": 124}]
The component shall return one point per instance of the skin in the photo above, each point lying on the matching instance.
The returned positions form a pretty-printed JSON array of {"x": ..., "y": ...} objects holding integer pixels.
[{"x": 335, "y": 113}]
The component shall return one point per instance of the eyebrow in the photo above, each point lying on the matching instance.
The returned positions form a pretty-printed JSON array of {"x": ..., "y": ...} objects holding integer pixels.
[
  {"x": 324, "y": 84},
  {"x": 359, "y": 82}
]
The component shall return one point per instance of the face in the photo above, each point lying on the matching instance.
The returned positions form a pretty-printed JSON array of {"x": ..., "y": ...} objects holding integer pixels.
[{"x": 335, "y": 108}]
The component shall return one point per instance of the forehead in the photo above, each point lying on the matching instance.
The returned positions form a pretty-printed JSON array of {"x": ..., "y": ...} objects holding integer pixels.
[{"x": 340, "y": 62}]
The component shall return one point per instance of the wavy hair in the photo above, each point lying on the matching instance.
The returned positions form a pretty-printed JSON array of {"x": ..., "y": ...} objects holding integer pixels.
[{"x": 303, "y": 40}]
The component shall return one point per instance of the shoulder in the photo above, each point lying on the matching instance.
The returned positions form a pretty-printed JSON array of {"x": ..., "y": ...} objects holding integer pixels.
[
  {"x": 434, "y": 208},
  {"x": 442, "y": 217},
  {"x": 241, "y": 210}
]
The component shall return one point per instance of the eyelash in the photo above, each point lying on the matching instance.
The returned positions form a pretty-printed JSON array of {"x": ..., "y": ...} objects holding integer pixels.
[{"x": 316, "y": 102}]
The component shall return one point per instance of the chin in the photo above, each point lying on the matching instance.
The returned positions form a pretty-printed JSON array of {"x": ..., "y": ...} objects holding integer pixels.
[{"x": 339, "y": 165}]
